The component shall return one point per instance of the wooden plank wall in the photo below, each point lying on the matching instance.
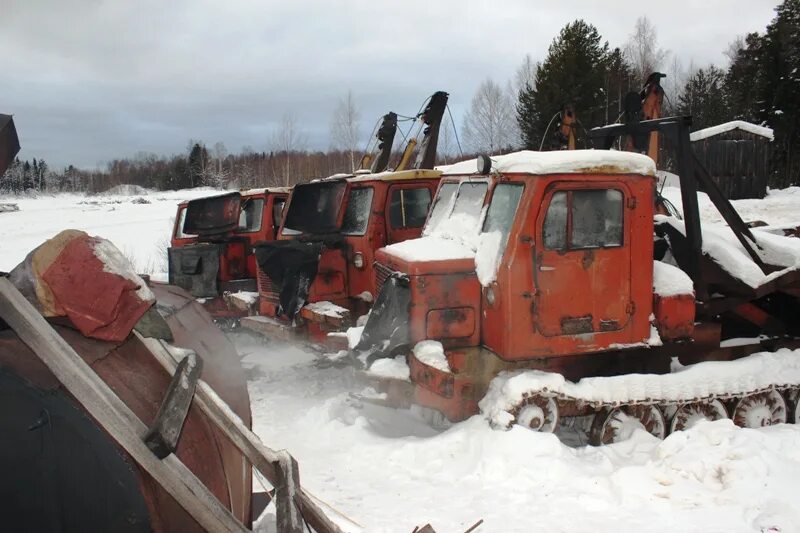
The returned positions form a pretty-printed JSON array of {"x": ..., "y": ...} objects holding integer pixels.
[{"x": 738, "y": 161}]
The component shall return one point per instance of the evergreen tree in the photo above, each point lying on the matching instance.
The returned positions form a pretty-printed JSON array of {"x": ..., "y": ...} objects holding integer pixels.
[
  {"x": 704, "y": 99},
  {"x": 574, "y": 72},
  {"x": 779, "y": 92},
  {"x": 744, "y": 80},
  {"x": 199, "y": 165},
  {"x": 27, "y": 177},
  {"x": 42, "y": 185}
]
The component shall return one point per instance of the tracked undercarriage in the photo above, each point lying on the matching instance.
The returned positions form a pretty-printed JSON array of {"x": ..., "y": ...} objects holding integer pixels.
[{"x": 756, "y": 391}]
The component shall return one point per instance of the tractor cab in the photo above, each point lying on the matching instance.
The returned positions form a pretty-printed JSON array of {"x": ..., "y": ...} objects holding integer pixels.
[
  {"x": 547, "y": 254},
  {"x": 327, "y": 242},
  {"x": 568, "y": 228},
  {"x": 212, "y": 242}
]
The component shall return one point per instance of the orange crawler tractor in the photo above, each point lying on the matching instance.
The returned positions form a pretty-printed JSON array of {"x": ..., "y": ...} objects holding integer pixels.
[
  {"x": 539, "y": 293},
  {"x": 319, "y": 272},
  {"x": 211, "y": 251}
]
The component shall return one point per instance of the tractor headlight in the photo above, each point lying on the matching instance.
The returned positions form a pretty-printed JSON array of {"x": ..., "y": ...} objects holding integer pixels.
[{"x": 358, "y": 260}]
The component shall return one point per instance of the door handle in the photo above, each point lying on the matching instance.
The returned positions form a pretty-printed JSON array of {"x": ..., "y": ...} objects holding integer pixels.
[{"x": 545, "y": 268}]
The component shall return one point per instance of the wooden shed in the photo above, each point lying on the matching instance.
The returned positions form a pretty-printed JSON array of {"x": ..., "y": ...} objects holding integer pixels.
[{"x": 737, "y": 155}]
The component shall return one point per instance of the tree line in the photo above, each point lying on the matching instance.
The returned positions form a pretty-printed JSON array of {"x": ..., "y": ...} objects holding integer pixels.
[{"x": 760, "y": 84}]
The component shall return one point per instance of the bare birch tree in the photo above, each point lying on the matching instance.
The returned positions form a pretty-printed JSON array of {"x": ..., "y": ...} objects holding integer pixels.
[
  {"x": 344, "y": 128},
  {"x": 524, "y": 76},
  {"x": 642, "y": 51},
  {"x": 286, "y": 141},
  {"x": 490, "y": 124}
]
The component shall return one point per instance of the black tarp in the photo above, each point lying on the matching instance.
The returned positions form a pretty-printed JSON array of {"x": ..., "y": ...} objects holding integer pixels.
[
  {"x": 195, "y": 268},
  {"x": 292, "y": 267},
  {"x": 386, "y": 329},
  {"x": 9, "y": 142}
]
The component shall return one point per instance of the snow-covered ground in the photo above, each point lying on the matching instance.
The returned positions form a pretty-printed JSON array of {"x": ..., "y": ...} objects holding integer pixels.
[
  {"x": 140, "y": 230},
  {"x": 389, "y": 470}
]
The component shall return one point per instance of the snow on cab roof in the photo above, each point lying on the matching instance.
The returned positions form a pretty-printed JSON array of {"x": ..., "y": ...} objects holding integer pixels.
[
  {"x": 562, "y": 162},
  {"x": 264, "y": 190},
  {"x": 390, "y": 175},
  {"x": 733, "y": 125}
]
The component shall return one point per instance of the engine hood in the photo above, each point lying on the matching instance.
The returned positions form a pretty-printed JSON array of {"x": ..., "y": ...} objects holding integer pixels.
[{"x": 428, "y": 255}]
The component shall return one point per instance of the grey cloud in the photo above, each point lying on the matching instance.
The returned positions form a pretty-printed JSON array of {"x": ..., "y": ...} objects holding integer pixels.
[{"x": 88, "y": 81}]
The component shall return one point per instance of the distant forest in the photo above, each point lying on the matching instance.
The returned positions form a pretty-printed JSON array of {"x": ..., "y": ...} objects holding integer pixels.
[{"x": 760, "y": 84}]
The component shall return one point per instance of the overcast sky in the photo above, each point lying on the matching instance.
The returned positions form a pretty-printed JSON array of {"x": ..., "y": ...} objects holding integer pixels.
[{"x": 90, "y": 80}]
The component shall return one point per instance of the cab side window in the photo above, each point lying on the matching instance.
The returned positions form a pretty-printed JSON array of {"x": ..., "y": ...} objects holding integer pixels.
[
  {"x": 408, "y": 208},
  {"x": 277, "y": 212},
  {"x": 586, "y": 218}
]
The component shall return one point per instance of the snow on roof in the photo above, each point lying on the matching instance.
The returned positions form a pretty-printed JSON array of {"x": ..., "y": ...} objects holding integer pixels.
[
  {"x": 733, "y": 125},
  {"x": 562, "y": 162},
  {"x": 389, "y": 175},
  {"x": 265, "y": 190}
]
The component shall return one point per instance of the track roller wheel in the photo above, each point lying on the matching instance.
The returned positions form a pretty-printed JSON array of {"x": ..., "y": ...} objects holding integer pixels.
[
  {"x": 538, "y": 413},
  {"x": 618, "y": 423},
  {"x": 760, "y": 409},
  {"x": 792, "y": 397},
  {"x": 689, "y": 413}
]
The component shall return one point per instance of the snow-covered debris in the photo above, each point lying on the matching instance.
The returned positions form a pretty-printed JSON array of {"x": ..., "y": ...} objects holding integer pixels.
[
  {"x": 720, "y": 243},
  {"x": 432, "y": 354},
  {"x": 327, "y": 309},
  {"x": 396, "y": 368},
  {"x": 7, "y": 208},
  {"x": 755, "y": 372},
  {"x": 561, "y": 162},
  {"x": 354, "y": 336},
  {"x": 733, "y": 125},
  {"x": 247, "y": 298},
  {"x": 669, "y": 280}
]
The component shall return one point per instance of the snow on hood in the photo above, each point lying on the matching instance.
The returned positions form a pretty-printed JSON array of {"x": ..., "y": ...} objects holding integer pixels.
[
  {"x": 456, "y": 237},
  {"x": 699, "y": 135},
  {"x": 562, "y": 162}
]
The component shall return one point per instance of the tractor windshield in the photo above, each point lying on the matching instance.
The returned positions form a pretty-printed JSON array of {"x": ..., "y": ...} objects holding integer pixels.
[
  {"x": 441, "y": 205},
  {"x": 457, "y": 207},
  {"x": 496, "y": 227},
  {"x": 315, "y": 207},
  {"x": 356, "y": 216},
  {"x": 502, "y": 209}
]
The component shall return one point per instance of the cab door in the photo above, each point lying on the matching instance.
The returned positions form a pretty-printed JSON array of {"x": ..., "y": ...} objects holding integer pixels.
[
  {"x": 407, "y": 208},
  {"x": 582, "y": 260}
]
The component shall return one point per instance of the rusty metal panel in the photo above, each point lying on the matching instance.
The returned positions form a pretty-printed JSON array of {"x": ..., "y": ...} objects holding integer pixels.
[{"x": 450, "y": 323}]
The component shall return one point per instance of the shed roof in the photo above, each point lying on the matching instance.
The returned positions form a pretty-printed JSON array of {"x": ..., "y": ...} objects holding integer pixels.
[{"x": 733, "y": 125}]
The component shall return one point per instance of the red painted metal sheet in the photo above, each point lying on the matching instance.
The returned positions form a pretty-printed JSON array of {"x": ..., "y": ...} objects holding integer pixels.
[{"x": 101, "y": 304}]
